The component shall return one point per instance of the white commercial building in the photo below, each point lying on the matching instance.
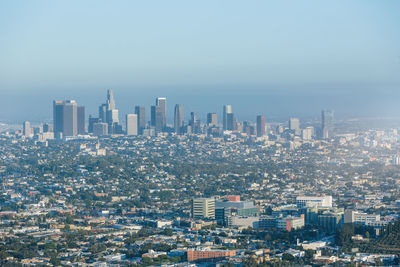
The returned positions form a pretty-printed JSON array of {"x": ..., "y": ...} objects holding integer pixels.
[
  {"x": 307, "y": 133},
  {"x": 294, "y": 125},
  {"x": 311, "y": 201},
  {"x": 131, "y": 124},
  {"x": 203, "y": 208},
  {"x": 352, "y": 216}
]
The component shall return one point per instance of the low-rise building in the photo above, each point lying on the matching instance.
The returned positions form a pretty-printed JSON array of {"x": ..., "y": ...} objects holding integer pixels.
[{"x": 194, "y": 255}]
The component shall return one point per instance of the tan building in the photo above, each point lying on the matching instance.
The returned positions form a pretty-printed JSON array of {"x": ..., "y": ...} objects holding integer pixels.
[
  {"x": 203, "y": 208},
  {"x": 194, "y": 255}
]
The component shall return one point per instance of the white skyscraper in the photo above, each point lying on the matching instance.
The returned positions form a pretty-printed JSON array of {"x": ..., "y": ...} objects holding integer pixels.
[{"x": 131, "y": 124}]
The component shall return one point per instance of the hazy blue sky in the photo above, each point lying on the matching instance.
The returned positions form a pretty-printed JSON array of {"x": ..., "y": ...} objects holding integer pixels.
[{"x": 278, "y": 58}]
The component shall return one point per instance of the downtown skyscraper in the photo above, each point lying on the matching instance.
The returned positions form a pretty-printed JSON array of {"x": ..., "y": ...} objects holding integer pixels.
[
  {"x": 140, "y": 111},
  {"x": 112, "y": 113},
  {"x": 68, "y": 118},
  {"x": 327, "y": 124},
  {"x": 109, "y": 114},
  {"x": 260, "y": 125},
  {"x": 225, "y": 113},
  {"x": 159, "y": 114},
  {"x": 230, "y": 122},
  {"x": 161, "y": 102},
  {"x": 131, "y": 124},
  {"x": 178, "y": 119},
  {"x": 26, "y": 129}
]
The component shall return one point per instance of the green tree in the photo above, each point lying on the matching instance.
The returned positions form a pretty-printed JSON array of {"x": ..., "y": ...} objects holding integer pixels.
[
  {"x": 168, "y": 232},
  {"x": 147, "y": 260},
  {"x": 288, "y": 257}
]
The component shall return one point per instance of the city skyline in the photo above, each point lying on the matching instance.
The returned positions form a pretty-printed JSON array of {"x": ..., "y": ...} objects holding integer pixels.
[
  {"x": 120, "y": 119},
  {"x": 69, "y": 121}
]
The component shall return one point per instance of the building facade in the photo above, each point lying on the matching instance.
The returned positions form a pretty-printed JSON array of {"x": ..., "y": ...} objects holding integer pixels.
[
  {"x": 67, "y": 116},
  {"x": 194, "y": 255},
  {"x": 140, "y": 111},
  {"x": 327, "y": 125},
  {"x": 294, "y": 125},
  {"x": 309, "y": 201},
  {"x": 212, "y": 119},
  {"x": 226, "y": 110},
  {"x": 260, "y": 125},
  {"x": 131, "y": 124},
  {"x": 203, "y": 208},
  {"x": 178, "y": 119}
]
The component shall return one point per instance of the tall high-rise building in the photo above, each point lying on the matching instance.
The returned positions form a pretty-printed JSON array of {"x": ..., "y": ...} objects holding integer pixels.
[
  {"x": 112, "y": 116},
  {"x": 103, "y": 112},
  {"x": 109, "y": 114},
  {"x": 81, "y": 119},
  {"x": 212, "y": 119},
  {"x": 260, "y": 125},
  {"x": 58, "y": 110},
  {"x": 327, "y": 126},
  {"x": 161, "y": 102},
  {"x": 110, "y": 99},
  {"x": 70, "y": 118},
  {"x": 226, "y": 110},
  {"x": 140, "y": 111},
  {"x": 194, "y": 123},
  {"x": 153, "y": 116},
  {"x": 178, "y": 119},
  {"x": 66, "y": 119},
  {"x": 158, "y": 114},
  {"x": 157, "y": 118},
  {"x": 26, "y": 129},
  {"x": 294, "y": 125},
  {"x": 193, "y": 119},
  {"x": 230, "y": 122},
  {"x": 131, "y": 124}
]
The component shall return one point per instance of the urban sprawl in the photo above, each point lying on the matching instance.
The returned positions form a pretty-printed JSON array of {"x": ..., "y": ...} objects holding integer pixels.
[{"x": 229, "y": 193}]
